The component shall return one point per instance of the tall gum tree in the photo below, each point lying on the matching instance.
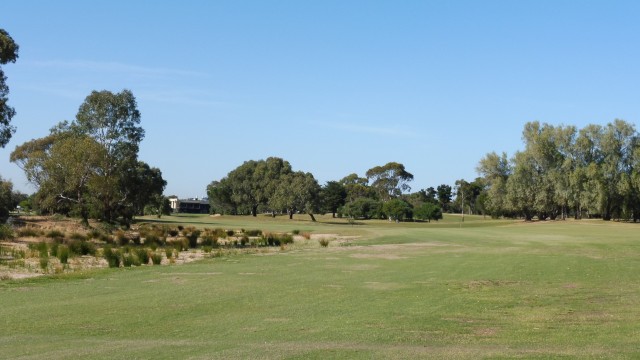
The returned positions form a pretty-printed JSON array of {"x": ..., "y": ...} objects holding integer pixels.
[{"x": 8, "y": 54}]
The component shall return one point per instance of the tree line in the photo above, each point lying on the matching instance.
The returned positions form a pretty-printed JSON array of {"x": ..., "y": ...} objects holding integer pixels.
[
  {"x": 271, "y": 186},
  {"x": 90, "y": 168},
  {"x": 563, "y": 171}
]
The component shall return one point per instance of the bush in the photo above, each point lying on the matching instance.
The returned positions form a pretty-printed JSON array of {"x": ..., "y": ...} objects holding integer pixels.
[
  {"x": 143, "y": 255},
  {"x": 156, "y": 258},
  {"x": 173, "y": 232},
  {"x": 168, "y": 252},
  {"x": 271, "y": 239},
  {"x": 152, "y": 239},
  {"x": 113, "y": 257},
  {"x": 253, "y": 232},
  {"x": 94, "y": 234},
  {"x": 244, "y": 240},
  {"x": 77, "y": 236},
  {"x": 193, "y": 238},
  {"x": 306, "y": 235},
  {"x": 127, "y": 260},
  {"x": 63, "y": 254},
  {"x": 136, "y": 239},
  {"x": 28, "y": 232},
  {"x": 79, "y": 247},
  {"x": 230, "y": 232},
  {"x": 121, "y": 238},
  {"x": 44, "y": 263},
  {"x": 43, "y": 249},
  {"x": 55, "y": 234},
  {"x": 296, "y": 232},
  {"x": 209, "y": 240},
  {"x": 5, "y": 232},
  {"x": 324, "y": 242}
]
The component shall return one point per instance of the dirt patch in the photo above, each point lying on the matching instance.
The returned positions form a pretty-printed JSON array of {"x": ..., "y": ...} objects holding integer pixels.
[
  {"x": 378, "y": 256},
  {"x": 374, "y": 285},
  {"x": 485, "y": 332}
]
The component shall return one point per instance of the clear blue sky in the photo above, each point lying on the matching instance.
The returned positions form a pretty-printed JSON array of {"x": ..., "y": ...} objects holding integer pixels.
[{"x": 334, "y": 87}]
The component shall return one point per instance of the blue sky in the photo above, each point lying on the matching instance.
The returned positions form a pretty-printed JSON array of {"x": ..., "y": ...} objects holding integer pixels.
[{"x": 334, "y": 87}]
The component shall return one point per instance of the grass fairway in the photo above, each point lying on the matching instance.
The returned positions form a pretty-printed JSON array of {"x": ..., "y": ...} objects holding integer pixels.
[{"x": 486, "y": 289}]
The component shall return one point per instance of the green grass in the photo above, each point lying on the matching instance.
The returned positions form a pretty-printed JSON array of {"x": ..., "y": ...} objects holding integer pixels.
[{"x": 486, "y": 289}]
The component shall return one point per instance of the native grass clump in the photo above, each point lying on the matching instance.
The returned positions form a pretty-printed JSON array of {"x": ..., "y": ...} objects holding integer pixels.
[{"x": 51, "y": 249}]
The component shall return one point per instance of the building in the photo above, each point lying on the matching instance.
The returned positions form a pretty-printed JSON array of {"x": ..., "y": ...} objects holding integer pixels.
[{"x": 191, "y": 205}]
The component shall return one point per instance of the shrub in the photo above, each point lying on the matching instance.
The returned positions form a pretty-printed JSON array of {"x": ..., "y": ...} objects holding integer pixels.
[
  {"x": 306, "y": 235},
  {"x": 5, "y": 232},
  {"x": 127, "y": 260},
  {"x": 209, "y": 240},
  {"x": 94, "y": 234},
  {"x": 63, "y": 254},
  {"x": 77, "y": 236},
  {"x": 168, "y": 252},
  {"x": 296, "y": 232},
  {"x": 55, "y": 234},
  {"x": 244, "y": 240},
  {"x": 193, "y": 238},
  {"x": 152, "y": 239},
  {"x": 323, "y": 242},
  {"x": 43, "y": 249},
  {"x": 121, "y": 238},
  {"x": 28, "y": 232},
  {"x": 112, "y": 256},
  {"x": 44, "y": 263},
  {"x": 156, "y": 258},
  {"x": 230, "y": 232},
  {"x": 286, "y": 239},
  {"x": 80, "y": 247},
  {"x": 253, "y": 232},
  {"x": 180, "y": 227},
  {"x": 173, "y": 232},
  {"x": 143, "y": 255},
  {"x": 136, "y": 239}
]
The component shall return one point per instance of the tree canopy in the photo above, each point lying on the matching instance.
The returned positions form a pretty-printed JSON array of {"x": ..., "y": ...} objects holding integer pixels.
[
  {"x": 8, "y": 54},
  {"x": 104, "y": 180}
]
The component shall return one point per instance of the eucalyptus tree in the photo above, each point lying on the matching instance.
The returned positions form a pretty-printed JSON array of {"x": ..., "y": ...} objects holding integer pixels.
[
  {"x": 250, "y": 185},
  {"x": 390, "y": 180},
  {"x": 90, "y": 166},
  {"x": 296, "y": 192},
  {"x": 357, "y": 187},
  {"x": 495, "y": 169},
  {"x": 8, "y": 54}
]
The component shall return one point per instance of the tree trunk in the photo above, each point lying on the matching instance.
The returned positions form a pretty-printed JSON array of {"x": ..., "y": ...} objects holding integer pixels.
[
  {"x": 254, "y": 211},
  {"x": 333, "y": 215},
  {"x": 313, "y": 218}
]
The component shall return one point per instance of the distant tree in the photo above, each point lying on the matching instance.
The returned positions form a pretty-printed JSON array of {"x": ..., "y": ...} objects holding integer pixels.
[
  {"x": 297, "y": 191},
  {"x": 145, "y": 186},
  {"x": 8, "y": 53},
  {"x": 390, "y": 180},
  {"x": 495, "y": 170},
  {"x": 333, "y": 195},
  {"x": 220, "y": 197},
  {"x": 253, "y": 183},
  {"x": 428, "y": 211},
  {"x": 357, "y": 187},
  {"x": 6, "y": 189},
  {"x": 158, "y": 205},
  {"x": 363, "y": 208},
  {"x": 397, "y": 210},
  {"x": 444, "y": 196}
]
